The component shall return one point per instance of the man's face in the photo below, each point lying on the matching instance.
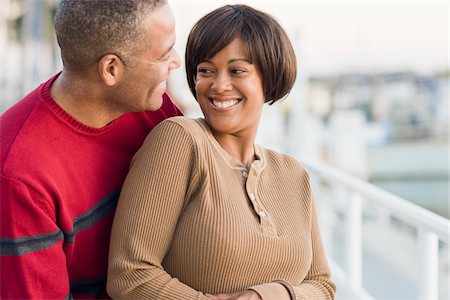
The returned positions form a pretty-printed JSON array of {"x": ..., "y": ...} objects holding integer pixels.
[{"x": 145, "y": 82}]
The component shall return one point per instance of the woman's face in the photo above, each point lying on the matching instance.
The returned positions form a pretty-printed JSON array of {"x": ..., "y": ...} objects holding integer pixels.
[{"x": 230, "y": 92}]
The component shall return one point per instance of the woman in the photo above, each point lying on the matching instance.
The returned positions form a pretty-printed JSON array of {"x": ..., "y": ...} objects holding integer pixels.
[{"x": 205, "y": 213}]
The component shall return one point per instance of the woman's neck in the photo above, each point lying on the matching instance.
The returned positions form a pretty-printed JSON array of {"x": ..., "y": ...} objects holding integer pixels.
[{"x": 240, "y": 148}]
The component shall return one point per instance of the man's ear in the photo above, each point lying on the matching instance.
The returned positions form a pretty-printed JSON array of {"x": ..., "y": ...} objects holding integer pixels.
[{"x": 110, "y": 68}]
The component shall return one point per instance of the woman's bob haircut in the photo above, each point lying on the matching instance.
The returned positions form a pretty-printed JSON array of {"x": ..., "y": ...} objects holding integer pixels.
[{"x": 268, "y": 46}]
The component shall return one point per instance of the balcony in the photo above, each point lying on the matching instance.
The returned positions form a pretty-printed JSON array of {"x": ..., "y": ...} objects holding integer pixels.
[{"x": 380, "y": 246}]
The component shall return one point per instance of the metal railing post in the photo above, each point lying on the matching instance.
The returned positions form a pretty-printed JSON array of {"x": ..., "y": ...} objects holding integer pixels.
[
  {"x": 354, "y": 240},
  {"x": 428, "y": 249}
]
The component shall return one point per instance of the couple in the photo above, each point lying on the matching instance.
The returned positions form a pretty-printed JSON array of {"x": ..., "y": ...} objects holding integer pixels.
[{"x": 204, "y": 213}]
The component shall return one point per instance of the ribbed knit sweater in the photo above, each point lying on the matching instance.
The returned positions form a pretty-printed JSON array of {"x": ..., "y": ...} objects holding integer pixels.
[
  {"x": 60, "y": 181},
  {"x": 191, "y": 222}
]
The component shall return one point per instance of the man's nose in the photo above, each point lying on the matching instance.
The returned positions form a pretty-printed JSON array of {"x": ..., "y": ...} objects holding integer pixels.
[{"x": 176, "y": 62}]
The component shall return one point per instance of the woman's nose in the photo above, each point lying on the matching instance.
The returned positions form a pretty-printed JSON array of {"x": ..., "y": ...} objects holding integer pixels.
[{"x": 221, "y": 84}]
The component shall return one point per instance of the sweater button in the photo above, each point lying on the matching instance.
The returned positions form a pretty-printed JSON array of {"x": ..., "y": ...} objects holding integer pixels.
[
  {"x": 262, "y": 214},
  {"x": 245, "y": 174}
]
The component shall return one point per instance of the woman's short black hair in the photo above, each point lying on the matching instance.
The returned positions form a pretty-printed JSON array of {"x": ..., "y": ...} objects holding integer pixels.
[{"x": 267, "y": 44}]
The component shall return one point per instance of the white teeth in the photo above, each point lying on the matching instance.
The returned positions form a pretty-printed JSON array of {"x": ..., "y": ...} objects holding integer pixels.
[{"x": 224, "y": 104}]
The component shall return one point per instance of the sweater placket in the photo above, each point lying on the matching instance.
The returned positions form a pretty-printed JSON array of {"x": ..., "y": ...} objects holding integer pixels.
[{"x": 251, "y": 187}]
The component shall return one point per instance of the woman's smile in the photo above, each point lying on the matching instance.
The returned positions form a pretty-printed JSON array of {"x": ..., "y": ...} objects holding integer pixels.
[{"x": 224, "y": 103}]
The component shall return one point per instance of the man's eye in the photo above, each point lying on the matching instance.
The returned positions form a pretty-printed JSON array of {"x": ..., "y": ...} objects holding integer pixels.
[{"x": 165, "y": 57}]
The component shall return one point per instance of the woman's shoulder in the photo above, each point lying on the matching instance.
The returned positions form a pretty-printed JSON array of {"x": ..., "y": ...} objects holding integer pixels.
[
  {"x": 186, "y": 124},
  {"x": 175, "y": 130},
  {"x": 175, "y": 135},
  {"x": 284, "y": 162},
  {"x": 282, "y": 159},
  {"x": 181, "y": 121}
]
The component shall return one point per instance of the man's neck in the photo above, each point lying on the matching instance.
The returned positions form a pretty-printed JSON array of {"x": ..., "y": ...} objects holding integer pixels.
[{"x": 81, "y": 97}]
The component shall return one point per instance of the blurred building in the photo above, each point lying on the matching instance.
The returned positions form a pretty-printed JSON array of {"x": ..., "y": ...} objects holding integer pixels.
[
  {"x": 405, "y": 130},
  {"x": 29, "y": 53},
  {"x": 406, "y": 104}
]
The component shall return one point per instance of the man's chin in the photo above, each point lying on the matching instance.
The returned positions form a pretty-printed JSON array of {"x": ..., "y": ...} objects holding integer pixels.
[{"x": 155, "y": 102}]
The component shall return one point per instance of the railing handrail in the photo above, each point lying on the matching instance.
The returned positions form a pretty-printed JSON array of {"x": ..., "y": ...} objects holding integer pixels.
[{"x": 401, "y": 208}]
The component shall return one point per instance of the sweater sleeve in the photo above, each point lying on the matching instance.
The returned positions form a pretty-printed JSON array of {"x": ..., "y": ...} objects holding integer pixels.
[
  {"x": 32, "y": 260},
  {"x": 317, "y": 283},
  {"x": 150, "y": 204}
]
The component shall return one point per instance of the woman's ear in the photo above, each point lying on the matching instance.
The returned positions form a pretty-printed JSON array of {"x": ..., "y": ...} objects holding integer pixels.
[{"x": 110, "y": 68}]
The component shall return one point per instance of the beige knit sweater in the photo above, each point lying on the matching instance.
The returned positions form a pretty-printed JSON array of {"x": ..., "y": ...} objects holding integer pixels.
[{"x": 190, "y": 222}]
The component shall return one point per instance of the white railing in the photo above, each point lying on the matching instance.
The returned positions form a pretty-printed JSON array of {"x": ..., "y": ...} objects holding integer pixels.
[{"x": 431, "y": 228}]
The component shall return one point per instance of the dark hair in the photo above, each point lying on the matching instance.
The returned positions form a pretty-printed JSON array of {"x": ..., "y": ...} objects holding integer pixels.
[
  {"x": 268, "y": 46},
  {"x": 86, "y": 30}
]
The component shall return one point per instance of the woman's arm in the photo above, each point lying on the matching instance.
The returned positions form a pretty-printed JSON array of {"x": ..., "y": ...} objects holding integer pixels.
[
  {"x": 317, "y": 284},
  {"x": 150, "y": 204}
]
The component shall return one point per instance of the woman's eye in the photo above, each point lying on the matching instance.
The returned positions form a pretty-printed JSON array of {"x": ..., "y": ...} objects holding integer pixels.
[
  {"x": 204, "y": 71},
  {"x": 237, "y": 71}
]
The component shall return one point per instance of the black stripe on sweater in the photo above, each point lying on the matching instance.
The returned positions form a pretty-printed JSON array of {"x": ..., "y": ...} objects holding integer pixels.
[
  {"x": 24, "y": 245},
  {"x": 88, "y": 287},
  {"x": 28, "y": 244}
]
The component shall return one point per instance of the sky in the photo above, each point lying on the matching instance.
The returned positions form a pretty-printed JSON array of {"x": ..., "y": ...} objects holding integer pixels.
[{"x": 332, "y": 37}]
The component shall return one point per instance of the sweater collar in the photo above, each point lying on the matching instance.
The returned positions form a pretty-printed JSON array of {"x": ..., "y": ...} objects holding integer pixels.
[
  {"x": 257, "y": 165},
  {"x": 63, "y": 115}
]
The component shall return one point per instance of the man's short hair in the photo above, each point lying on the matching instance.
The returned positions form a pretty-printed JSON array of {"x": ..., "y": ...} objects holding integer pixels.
[
  {"x": 268, "y": 46},
  {"x": 87, "y": 30}
]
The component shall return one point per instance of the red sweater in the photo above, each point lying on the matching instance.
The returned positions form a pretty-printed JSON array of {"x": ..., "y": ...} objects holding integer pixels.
[{"x": 60, "y": 181}]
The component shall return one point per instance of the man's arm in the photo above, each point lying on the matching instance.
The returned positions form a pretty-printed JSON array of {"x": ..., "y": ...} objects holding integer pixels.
[{"x": 32, "y": 260}]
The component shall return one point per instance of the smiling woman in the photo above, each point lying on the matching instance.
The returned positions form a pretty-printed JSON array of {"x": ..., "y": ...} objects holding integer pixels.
[
  {"x": 205, "y": 213},
  {"x": 229, "y": 90}
]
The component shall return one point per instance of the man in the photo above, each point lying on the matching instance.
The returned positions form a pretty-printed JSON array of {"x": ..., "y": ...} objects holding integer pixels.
[{"x": 66, "y": 147}]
